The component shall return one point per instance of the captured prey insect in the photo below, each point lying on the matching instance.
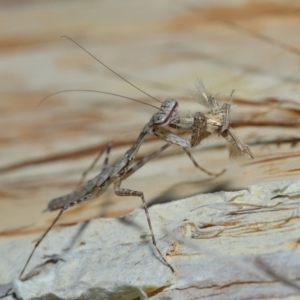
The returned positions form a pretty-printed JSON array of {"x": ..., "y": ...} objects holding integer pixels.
[{"x": 215, "y": 122}]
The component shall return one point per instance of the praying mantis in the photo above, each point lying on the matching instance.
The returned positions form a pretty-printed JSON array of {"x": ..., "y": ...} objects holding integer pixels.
[
  {"x": 166, "y": 124},
  {"x": 216, "y": 121}
]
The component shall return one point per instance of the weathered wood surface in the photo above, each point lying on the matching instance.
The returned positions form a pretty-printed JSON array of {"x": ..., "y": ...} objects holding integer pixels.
[{"x": 162, "y": 47}]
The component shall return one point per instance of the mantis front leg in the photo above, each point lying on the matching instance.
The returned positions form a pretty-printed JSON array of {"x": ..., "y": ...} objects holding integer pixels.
[{"x": 198, "y": 132}]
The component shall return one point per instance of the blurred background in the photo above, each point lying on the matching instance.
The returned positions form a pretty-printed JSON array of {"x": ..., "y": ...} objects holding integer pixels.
[{"x": 162, "y": 47}]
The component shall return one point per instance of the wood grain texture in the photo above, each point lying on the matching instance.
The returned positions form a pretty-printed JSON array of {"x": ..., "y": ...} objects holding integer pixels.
[{"x": 252, "y": 47}]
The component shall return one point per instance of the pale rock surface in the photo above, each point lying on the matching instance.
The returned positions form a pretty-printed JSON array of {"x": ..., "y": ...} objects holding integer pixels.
[{"x": 214, "y": 241}]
